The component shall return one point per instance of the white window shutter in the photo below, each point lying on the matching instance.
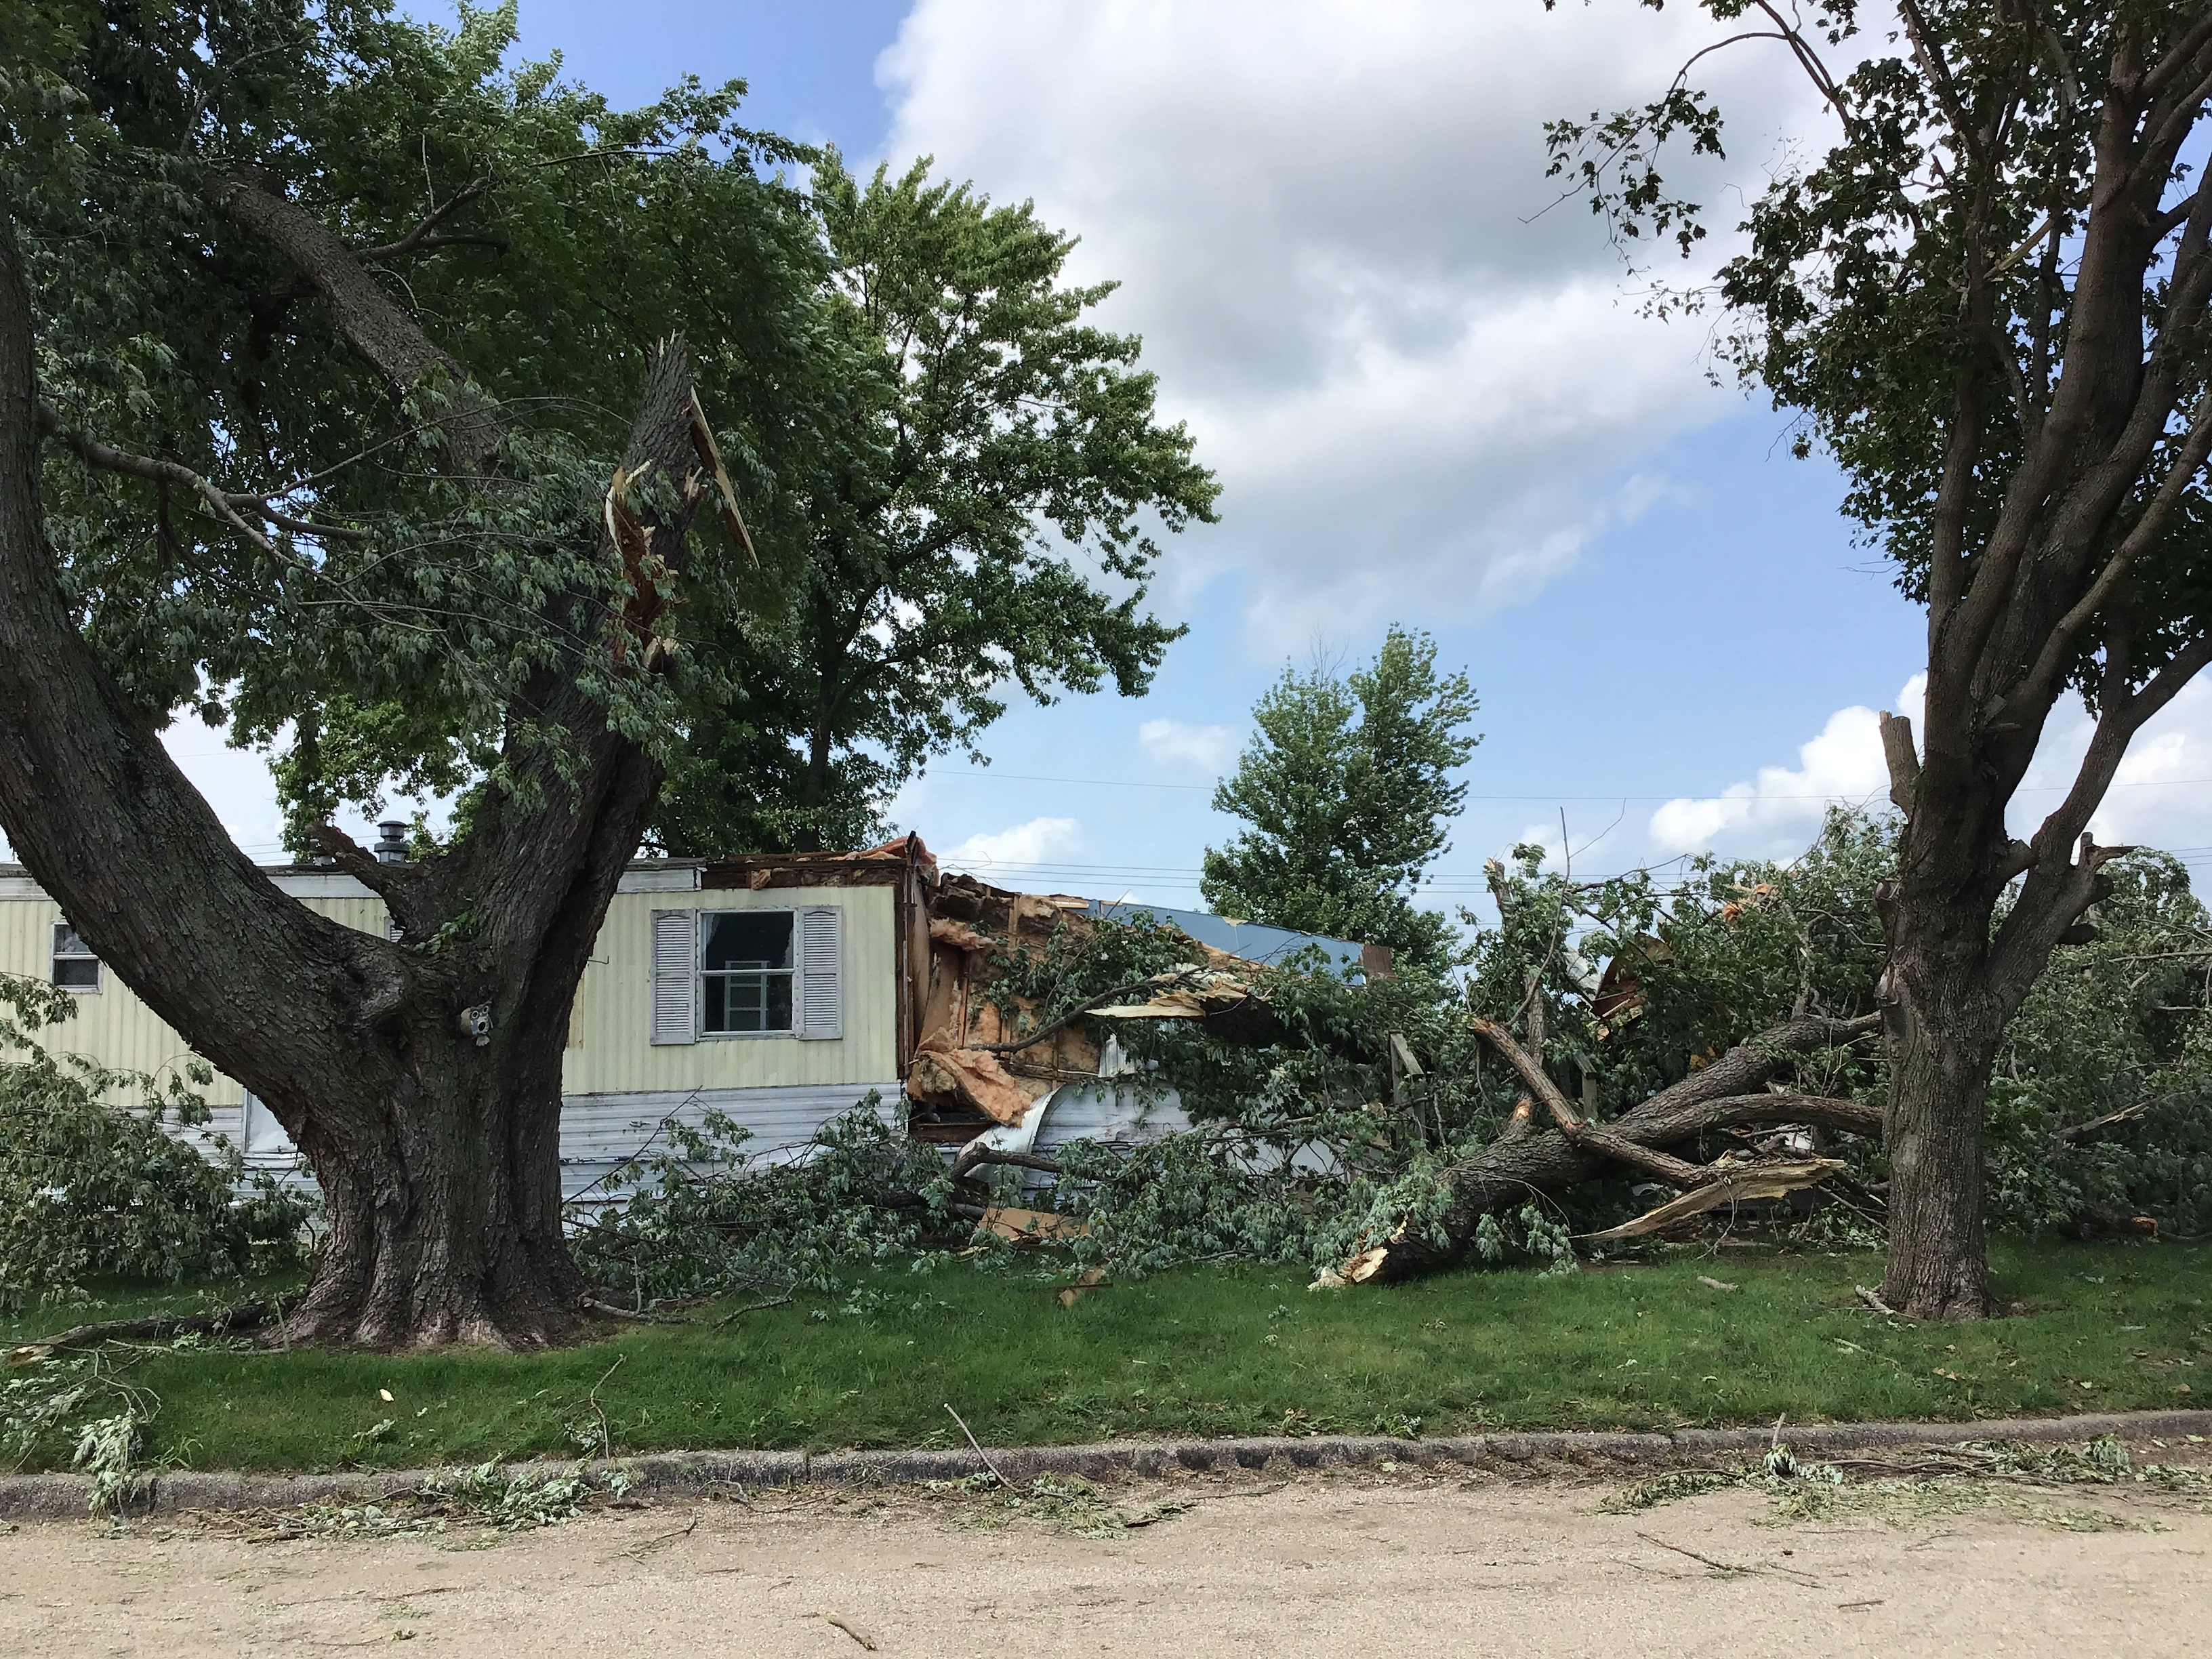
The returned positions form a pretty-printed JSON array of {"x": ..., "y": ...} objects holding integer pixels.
[
  {"x": 675, "y": 976},
  {"x": 822, "y": 973}
]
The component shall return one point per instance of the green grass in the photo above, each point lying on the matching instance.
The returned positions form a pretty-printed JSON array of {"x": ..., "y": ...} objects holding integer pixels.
[{"x": 1223, "y": 1351}]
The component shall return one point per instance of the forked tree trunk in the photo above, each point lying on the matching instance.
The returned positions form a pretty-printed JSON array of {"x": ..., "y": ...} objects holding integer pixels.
[{"x": 438, "y": 1153}]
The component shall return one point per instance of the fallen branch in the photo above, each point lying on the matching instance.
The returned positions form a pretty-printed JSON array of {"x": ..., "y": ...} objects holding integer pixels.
[
  {"x": 1730, "y": 1567},
  {"x": 754, "y": 1307},
  {"x": 1156, "y": 983},
  {"x": 246, "y": 1317},
  {"x": 1873, "y": 1299},
  {"x": 976, "y": 1443},
  {"x": 975, "y": 1155},
  {"x": 1743, "y": 1184},
  {"x": 2083, "y": 1131},
  {"x": 608, "y": 1311},
  {"x": 1734, "y": 1090}
]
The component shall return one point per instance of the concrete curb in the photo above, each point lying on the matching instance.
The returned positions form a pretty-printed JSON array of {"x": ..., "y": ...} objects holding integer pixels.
[{"x": 63, "y": 1497}]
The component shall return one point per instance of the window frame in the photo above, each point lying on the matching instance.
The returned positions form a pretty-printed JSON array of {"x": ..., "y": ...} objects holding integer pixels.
[
  {"x": 700, "y": 974},
  {"x": 56, "y": 956}
]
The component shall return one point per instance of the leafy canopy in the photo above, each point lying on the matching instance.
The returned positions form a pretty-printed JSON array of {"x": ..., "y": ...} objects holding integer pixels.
[
  {"x": 1346, "y": 786},
  {"x": 1913, "y": 293},
  {"x": 547, "y": 241},
  {"x": 974, "y": 507}
]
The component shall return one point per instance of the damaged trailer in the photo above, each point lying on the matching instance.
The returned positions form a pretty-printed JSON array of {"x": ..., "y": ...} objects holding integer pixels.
[
  {"x": 775, "y": 990},
  {"x": 992, "y": 1076}
]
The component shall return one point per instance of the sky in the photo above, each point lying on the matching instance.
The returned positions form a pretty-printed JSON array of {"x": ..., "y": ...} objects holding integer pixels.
[{"x": 1431, "y": 398}]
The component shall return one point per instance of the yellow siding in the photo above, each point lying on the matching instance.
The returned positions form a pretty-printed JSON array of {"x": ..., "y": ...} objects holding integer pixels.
[
  {"x": 113, "y": 1027},
  {"x": 616, "y": 1056}
]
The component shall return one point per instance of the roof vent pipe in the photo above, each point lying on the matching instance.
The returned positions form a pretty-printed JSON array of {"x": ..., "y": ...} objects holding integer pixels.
[{"x": 391, "y": 841}]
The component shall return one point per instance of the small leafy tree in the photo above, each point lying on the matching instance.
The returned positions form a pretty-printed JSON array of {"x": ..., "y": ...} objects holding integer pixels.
[
  {"x": 969, "y": 510},
  {"x": 1348, "y": 787},
  {"x": 1988, "y": 301}
]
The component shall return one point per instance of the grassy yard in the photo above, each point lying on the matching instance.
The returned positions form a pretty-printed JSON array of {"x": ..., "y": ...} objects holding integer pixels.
[{"x": 1236, "y": 1350}]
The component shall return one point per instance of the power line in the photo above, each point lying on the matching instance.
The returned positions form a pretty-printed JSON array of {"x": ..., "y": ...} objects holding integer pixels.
[{"x": 1722, "y": 799}]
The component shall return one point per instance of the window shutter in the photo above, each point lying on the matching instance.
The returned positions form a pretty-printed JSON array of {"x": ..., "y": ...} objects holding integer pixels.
[
  {"x": 675, "y": 975},
  {"x": 822, "y": 973}
]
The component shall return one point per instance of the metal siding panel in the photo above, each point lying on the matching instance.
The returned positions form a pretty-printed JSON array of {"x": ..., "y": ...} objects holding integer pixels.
[
  {"x": 112, "y": 1026},
  {"x": 601, "y": 1132}
]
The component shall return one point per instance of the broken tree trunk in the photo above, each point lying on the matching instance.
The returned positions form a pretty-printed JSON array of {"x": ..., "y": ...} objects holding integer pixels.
[{"x": 1726, "y": 1094}]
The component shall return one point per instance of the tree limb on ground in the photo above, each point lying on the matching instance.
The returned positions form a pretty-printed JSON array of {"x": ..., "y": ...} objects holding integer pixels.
[
  {"x": 246, "y": 1317},
  {"x": 1730, "y": 1091}
]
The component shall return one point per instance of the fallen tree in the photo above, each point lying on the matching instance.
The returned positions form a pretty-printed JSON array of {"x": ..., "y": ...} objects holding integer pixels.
[{"x": 1729, "y": 1093}]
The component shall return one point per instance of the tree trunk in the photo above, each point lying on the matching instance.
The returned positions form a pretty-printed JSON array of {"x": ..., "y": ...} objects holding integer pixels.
[
  {"x": 1942, "y": 1026},
  {"x": 423, "y": 1084}
]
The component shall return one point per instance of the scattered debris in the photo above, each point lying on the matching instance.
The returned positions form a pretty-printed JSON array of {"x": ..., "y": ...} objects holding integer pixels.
[
  {"x": 1712, "y": 1284},
  {"x": 1089, "y": 1280},
  {"x": 851, "y": 1629},
  {"x": 995, "y": 1472}
]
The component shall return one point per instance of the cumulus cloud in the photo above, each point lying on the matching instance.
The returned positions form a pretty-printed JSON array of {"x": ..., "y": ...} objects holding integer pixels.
[
  {"x": 1171, "y": 743},
  {"x": 1039, "y": 840},
  {"x": 1776, "y": 813},
  {"x": 1328, "y": 219},
  {"x": 2161, "y": 797}
]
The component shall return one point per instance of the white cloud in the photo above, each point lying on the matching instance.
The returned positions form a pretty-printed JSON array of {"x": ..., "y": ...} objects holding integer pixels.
[
  {"x": 1776, "y": 813},
  {"x": 1328, "y": 218},
  {"x": 1040, "y": 840},
  {"x": 2161, "y": 797},
  {"x": 1171, "y": 743}
]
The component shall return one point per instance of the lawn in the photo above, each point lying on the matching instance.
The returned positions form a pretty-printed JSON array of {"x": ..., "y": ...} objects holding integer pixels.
[{"x": 1222, "y": 1350}]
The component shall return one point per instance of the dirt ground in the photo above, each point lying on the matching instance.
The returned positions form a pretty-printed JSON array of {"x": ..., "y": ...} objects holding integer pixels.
[{"x": 1405, "y": 1562}]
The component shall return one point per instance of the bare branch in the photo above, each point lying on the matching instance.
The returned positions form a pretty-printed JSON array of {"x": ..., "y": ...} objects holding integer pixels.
[
  {"x": 2042, "y": 680},
  {"x": 227, "y": 505},
  {"x": 420, "y": 239}
]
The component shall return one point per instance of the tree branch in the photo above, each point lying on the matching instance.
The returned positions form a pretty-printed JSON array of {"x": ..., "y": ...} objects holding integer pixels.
[
  {"x": 227, "y": 505},
  {"x": 420, "y": 239},
  {"x": 2041, "y": 683},
  {"x": 382, "y": 332}
]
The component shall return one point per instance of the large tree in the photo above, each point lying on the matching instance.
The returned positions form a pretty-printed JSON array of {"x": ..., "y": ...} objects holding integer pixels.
[
  {"x": 1346, "y": 786},
  {"x": 974, "y": 510},
  {"x": 344, "y": 375},
  {"x": 1988, "y": 301}
]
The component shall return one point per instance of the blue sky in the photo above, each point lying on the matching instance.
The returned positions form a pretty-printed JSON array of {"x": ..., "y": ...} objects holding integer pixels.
[{"x": 1430, "y": 400}]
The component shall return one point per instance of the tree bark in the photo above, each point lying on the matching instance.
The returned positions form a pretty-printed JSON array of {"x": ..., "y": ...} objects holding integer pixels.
[
  {"x": 1942, "y": 1027},
  {"x": 1523, "y": 1163},
  {"x": 422, "y": 1077}
]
